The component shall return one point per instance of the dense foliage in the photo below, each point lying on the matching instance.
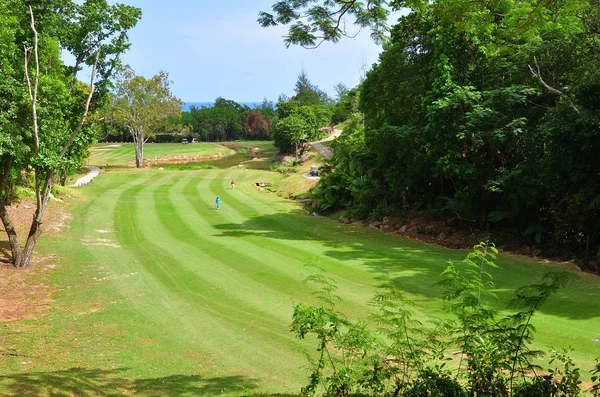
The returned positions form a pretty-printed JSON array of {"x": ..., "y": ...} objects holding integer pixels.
[
  {"x": 300, "y": 118},
  {"x": 227, "y": 120},
  {"x": 485, "y": 114},
  {"x": 402, "y": 356}
]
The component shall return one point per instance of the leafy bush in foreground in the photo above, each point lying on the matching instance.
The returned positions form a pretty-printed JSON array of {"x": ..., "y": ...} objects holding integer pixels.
[{"x": 404, "y": 357}]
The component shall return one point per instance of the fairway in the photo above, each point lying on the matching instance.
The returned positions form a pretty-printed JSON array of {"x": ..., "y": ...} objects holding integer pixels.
[
  {"x": 123, "y": 154},
  {"x": 158, "y": 293}
]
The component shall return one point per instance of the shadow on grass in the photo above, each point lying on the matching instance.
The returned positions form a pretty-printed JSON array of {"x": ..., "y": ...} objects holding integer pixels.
[
  {"x": 413, "y": 266},
  {"x": 98, "y": 382}
]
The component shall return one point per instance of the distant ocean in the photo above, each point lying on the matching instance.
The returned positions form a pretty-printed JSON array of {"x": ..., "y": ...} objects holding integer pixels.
[{"x": 188, "y": 105}]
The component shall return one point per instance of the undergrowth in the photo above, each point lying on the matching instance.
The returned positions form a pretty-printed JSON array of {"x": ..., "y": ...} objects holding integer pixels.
[{"x": 397, "y": 355}]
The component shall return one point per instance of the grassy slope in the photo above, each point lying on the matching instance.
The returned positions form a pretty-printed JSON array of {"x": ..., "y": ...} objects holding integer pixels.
[
  {"x": 122, "y": 154},
  {"x": 160, "y": 294}
]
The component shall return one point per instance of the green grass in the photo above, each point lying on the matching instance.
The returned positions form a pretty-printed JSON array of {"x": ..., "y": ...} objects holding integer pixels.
[
  {"x": 123, "y": 154},
  {"x": 158, "y": 293}
]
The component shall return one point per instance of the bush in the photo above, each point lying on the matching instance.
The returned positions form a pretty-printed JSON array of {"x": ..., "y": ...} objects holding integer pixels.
[{"x": 407, "y": 358}]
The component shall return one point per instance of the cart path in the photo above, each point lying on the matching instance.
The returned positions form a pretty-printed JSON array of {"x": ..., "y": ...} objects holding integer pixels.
[
  {"x": 93, "y": 172},
  {"x": 318, "y": 146}
]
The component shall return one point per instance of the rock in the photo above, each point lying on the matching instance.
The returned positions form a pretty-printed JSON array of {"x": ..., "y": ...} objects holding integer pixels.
[
  {"x": 343, "y": 220},
  {"x": 386, "y": 220},
  {"x": 402, "y": 229},
  {"x": 386, "y": 228},
  {"x": 161, "y": 169},
  {"x": 593, "y": 265},
  {"x": 358, "y": 223},
  {"x": 375, "y": 224},
  {"x": 412, "y": 230},
  {"x": 442, "y": 236}
]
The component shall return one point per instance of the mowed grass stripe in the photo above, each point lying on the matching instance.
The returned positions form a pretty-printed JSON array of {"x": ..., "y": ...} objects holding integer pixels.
[
  {"x": 183, "y": 279},
  {"x": 254, "y": 259},
  {"x": 240, "y": 323},
  {"x": 247, "y": 270},
  {"x": 212, "y": 261},
  {"x": 200, "y": 314}
]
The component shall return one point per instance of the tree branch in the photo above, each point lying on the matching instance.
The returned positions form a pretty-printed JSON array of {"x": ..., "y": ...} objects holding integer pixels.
[
  {"x": 538, "y": 74},
  {"x": 87, "y": 106},
  {"x": 33, "y": 91}
]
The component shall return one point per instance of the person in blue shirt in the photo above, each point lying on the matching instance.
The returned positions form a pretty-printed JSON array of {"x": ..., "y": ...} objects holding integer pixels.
[{"x": 218, "y": 201}]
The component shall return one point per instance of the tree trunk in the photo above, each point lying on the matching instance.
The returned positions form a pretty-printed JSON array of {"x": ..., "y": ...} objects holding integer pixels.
[
  {"x": 139, "y": 154},
  {"x": 36, "y": 224},
  {"x": 63, "y": 177},
  {"x": 137, "y": 134},
  {"x": 15, "y": 247}
]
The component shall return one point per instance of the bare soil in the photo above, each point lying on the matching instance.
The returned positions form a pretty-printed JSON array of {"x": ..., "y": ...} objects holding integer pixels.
[{"x": 26, "y": 293}]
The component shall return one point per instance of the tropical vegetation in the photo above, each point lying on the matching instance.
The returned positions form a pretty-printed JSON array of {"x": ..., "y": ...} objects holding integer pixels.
[{"x": 483, "y": 115}]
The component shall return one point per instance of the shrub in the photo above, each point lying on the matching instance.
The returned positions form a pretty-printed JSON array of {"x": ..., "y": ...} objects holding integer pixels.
[{"x": 404, "y": 357}]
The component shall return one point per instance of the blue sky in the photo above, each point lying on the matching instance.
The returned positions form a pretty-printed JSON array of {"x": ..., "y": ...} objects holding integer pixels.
[{"x": 216, "y": 48}]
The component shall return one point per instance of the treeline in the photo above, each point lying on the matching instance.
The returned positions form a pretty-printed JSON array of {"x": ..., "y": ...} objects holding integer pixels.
[
  {"x": 486, "y": 116},
  {"x": 291, "y": 122},
  {"x": 227, "y": 120}
]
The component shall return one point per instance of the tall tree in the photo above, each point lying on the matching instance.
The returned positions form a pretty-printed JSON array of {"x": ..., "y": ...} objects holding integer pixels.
[
  {"x": 43, "y": 110},
  {"x": 144, "y": 107},
  {"x": 308, "y": 93}
]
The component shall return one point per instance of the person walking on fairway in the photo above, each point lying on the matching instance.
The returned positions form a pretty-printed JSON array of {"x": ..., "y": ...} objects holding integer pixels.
[
  {"x": 232, "y": 184},
  {"x": 218, "y": 201}
]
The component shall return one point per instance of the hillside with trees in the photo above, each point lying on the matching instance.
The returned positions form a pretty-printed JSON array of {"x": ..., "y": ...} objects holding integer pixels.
[
  {"x": 300, "y": 118},
  {"x": 482, "y": 115}
]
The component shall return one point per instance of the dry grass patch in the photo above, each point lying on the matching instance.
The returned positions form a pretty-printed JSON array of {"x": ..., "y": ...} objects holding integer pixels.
[{"x": 25, "y": 293}]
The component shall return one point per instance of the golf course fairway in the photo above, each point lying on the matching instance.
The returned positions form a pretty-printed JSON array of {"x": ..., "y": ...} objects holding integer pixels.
[{"x": 156, "y": 292}]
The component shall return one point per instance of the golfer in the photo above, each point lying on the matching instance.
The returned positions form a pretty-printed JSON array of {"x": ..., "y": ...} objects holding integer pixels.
[
  {"x": 218, "y": 201},
  {"x": 232, "y": 184}
]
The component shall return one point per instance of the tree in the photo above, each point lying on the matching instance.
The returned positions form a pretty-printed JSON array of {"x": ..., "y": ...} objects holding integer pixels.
[
  {"x": 144, "y": 107},
  {"x": 346, "y": 105},
  {"x": 340, "y": 91},
  {"x": 228, "y": 120},
  {"x": 484, "y": 114},
  {"x": 313, "y": 22},
  {"x": 291, "y": 134},
  {"x": 307, "y": 93},
  {"x": 95, "y": 22},
  {"x": 43, "y": 110}
]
